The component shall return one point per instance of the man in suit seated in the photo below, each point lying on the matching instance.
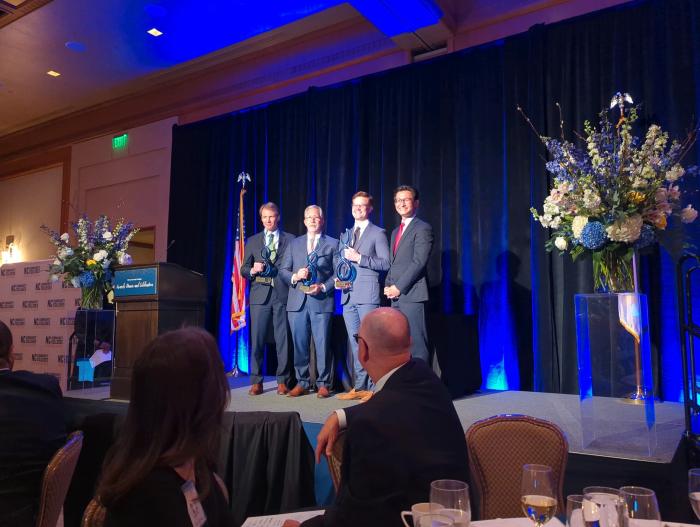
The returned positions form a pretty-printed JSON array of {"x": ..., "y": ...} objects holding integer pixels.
[
  {"x": 32, "y": 428},
  {"x": 311, "y": 306},
  {"x": 368, "y": 251},
  {"x": 406, "y": 436}
]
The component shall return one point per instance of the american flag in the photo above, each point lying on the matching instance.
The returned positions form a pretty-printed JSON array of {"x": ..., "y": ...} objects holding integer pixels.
[{"x": 238, "y": 297}]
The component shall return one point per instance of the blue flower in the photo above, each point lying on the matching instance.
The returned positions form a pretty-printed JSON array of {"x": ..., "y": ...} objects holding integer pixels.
[
  {"x": 646, "y": 237},
  {"x": 87, "y": 279},
  {"x": 593, "y": 235}
]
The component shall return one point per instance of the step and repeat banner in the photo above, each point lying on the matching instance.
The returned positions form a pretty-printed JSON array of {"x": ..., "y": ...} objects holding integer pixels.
[{"x": 41, "y": 316}]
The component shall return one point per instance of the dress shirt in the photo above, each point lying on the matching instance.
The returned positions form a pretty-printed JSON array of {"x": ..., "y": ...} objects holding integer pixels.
[
  {"x": 275, "y": 238},
  {"x": 342, "y": 421},
  {"x": 362, "y": 225}
]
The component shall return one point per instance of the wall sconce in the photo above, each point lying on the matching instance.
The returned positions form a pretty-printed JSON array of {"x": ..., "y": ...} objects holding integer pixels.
[{"x": 11, "y": 253}]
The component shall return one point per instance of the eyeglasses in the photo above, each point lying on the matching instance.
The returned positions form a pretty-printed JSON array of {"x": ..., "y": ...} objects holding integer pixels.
[
  {"x": 359, "y": 338},
  {"x": 312, "y": 218},
  {"x": 403, "y": 200}
]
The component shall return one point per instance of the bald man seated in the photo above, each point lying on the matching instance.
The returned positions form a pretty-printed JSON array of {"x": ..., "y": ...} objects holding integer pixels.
[{"x": 403, "y": 438}]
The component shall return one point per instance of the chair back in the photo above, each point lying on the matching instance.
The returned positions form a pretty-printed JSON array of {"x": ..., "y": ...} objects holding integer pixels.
[
  {"x": 94, "y": 515},
  {"x": 498, "y": 448},
  {"x": 335, "y": 460},
  {"x": 56, "y": 480}
]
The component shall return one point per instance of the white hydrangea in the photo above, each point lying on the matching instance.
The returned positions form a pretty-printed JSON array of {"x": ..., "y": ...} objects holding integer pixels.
[
  {"x": 561, "y": 243},
  {"x": 99, "y": 255},
  {"x": 577, "y": 225}
]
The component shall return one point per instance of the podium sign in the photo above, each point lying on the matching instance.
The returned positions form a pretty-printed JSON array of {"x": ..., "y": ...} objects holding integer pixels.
[{"x": 134, "y": 282}]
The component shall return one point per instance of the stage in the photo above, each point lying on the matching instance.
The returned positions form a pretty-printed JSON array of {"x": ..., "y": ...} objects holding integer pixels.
[{"x": 619, "y": 457}]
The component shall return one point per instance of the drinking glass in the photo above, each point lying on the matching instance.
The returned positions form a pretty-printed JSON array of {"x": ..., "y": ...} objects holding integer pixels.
[
  {"x": 602, "y": 507},
  {"x": 574, "y": 513},
  {"x": 435, "y": 520},
  {"x": 538, "y": 499},
  {"x": 694, "y": 490},
  {"x": 640, "y": 507},
  {"x": 450, "y": 497}
]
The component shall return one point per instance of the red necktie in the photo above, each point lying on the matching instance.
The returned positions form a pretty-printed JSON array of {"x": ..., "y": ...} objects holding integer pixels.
[{"x": 398, "y": 237}]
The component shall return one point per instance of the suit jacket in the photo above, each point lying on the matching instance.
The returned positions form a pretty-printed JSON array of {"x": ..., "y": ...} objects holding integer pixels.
[
  {"x": 32, "y": 428},
  {"x": 374, "y": 248},
  {"x": 408, "y": 265},
  {"x": 261, "y": 293},
  {"x": 295, "y": 258},
  {"x": 397, "y": 443}
]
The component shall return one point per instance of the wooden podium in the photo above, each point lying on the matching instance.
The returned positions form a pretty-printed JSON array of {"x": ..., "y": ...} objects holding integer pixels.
[{"x": 151, "y": 299}]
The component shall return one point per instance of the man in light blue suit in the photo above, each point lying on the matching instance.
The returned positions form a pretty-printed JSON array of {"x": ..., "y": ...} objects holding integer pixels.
[
  {"x": 406, "y": 281},
  {"x": 368, "y": 253},
  {"x": 310, "y": 306}
]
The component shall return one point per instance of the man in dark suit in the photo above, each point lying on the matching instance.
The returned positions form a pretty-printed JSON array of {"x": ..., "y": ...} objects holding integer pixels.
[
  {"x": 32, "y": 428},
  {"x": 268, "y": 297},
  {"x": 406, "y": 283},
  {"x": 406, "y": 436},
  {"x": 310, "y": 305},
  {"x": 368, "y": 253}
]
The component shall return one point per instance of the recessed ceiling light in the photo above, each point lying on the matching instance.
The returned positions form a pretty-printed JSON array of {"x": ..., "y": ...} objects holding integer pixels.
[
  {"x": 154, "y": 32},
  {"x": 76, "y": 46},
  {"x": 53, "y": 73}
]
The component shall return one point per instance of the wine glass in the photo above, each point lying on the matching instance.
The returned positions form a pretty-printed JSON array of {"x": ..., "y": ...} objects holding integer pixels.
[
  {"x": 574, "y": 513},
  {"x": 639, "y": 503},
  {"x": 538, "y": 501},
  {"x": 694, "y": 490},
  {"x": 602, "y": 505},
  {"x": 435, "y": 520},
  {"x": 450, "y": 497}
]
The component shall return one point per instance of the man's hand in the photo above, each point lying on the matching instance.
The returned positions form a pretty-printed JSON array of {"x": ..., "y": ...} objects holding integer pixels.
[
  {"x": 291, "y": 523},
  {"x": 327, "y": 436},
  {"x": 392, "y": 292},
  {"x": 352, "y": 255},
  {"x": 315, "y": 289},
  {"x": 302, "y": 274},
  {"x": 257, "y": 268}
]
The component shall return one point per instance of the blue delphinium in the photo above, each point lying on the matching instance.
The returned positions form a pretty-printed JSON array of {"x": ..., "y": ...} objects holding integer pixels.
[{"x": 593, "y": 235}]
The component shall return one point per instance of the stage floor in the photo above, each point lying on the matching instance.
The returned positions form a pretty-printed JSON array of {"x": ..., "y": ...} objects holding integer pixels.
[{"x": 620, "y": 430}]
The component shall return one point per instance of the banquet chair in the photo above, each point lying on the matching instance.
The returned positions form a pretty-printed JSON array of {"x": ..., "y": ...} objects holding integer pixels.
[
  {"x": 56, "y": 480},
  {"x": 94, "y": 515},
  {"x": 335, "y": 460},
  {"x": 498, "y": 447}
]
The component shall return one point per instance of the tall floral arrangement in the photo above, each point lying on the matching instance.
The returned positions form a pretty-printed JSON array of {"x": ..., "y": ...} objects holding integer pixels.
[
  {"x": 613, "y": 192},
  {"x": 89, "y": 263}
]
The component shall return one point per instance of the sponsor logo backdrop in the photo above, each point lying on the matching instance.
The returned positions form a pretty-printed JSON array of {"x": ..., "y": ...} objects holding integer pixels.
[{"x": 40, "y": 315}]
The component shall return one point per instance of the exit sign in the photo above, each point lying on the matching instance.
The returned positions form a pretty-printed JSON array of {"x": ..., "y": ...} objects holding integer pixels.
[{"x": 120, "y": 142}]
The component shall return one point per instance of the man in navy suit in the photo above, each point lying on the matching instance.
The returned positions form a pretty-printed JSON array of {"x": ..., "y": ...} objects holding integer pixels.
[
  {"x": 311, "y": 306},
  {"x": 368, "y": 253},
  {"x": 406, "y": 283},
  {"x": 32, "y": 429},
  {"x": 406, "y": 436},
  {"x": 268, "y": 297}
]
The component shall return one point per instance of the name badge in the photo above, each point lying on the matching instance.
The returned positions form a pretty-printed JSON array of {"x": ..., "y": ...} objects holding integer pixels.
[{"x": 194, "y": 506}]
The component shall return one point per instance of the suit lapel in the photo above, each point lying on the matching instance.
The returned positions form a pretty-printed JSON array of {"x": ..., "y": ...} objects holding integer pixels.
[
  {"x": 403, "y": 236},
  {"x": 363, "y": 238}
]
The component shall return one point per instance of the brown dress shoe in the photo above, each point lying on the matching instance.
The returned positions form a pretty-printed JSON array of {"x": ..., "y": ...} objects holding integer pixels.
[
  {"x": 282, "y": 389},
  {"x": 297, "y": 391},
  {"x": 256, "y": 389},
  {"x": 323, "y": 393}
]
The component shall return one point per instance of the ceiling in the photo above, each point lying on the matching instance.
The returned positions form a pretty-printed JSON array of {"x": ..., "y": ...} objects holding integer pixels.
[{"x": 102, "y": 50}]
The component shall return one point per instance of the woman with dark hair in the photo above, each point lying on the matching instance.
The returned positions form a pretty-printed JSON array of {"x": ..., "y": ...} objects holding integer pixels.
[{"x": 160, "y": 469}]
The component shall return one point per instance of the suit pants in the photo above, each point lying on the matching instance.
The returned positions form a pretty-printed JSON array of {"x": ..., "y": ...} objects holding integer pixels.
[
  {"x": 415, "y": 313},
  {"x": 260, "y": 317},
  {"x": 353, "y": 315},
  {"x": 304, "y": 324}
]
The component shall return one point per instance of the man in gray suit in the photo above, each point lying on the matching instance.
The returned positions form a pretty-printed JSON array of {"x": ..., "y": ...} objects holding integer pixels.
[
  {"x": 406, "y": 283},
  {"x": 368, "y": 253},
  {"x": 268, "y": 297},
  {"x": 310, "y": 305}
]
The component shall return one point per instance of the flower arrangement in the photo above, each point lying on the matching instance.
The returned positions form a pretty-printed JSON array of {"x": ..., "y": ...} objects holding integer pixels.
[
  {"x": 615, "y": 194},
  {"x": 89, "y": 264}
]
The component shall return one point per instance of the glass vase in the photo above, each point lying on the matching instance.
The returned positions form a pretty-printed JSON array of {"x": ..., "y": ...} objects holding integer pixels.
[
  {"x": 92, "y": 297},
  {"x": 613, "y": 270}
]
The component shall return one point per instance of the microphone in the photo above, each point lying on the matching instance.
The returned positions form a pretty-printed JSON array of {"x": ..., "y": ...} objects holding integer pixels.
[{"x": 172, "y": 242}]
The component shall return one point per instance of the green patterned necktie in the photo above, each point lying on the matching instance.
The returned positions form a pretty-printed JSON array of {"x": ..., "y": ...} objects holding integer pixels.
[{"x": 271, "y": 246}]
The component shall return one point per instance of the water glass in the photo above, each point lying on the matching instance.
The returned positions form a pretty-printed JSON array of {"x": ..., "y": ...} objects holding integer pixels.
[
  {"x": 537, "y": 494},
  {"x": 450, "y": 497},
  {"x": 694, "y": 490},
  {"x": 574, "y": 511},
  {"x": 601, "y": 506},
  {"x": 640, "y": 507}
]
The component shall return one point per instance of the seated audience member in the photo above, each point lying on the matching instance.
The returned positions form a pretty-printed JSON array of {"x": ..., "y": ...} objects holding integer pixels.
[
  {"x": 407, "y": 435},
  {"x": 101, "y": 360},
  {"x": 32, "y": 428},
  {"x": 160, "y": 469}
]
